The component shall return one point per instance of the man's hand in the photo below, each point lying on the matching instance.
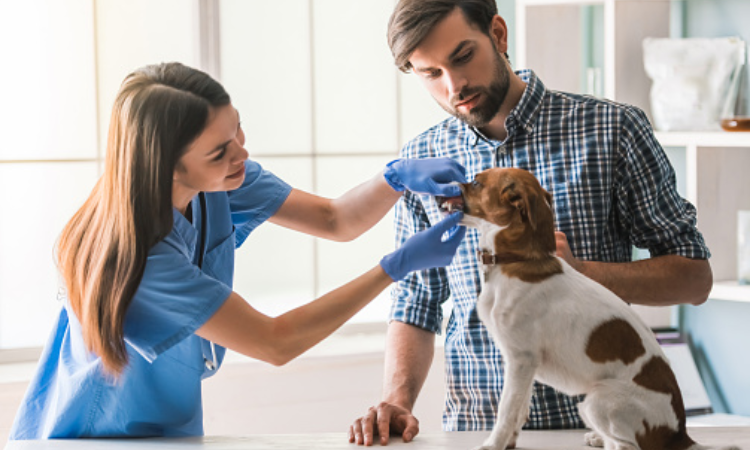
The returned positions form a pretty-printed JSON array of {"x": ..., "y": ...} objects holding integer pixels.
[
  {"x": 564, "y": 252},
  {"x": 384, "y": 420}
]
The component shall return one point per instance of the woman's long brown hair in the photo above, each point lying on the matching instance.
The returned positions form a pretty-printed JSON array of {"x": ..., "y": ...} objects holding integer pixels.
[{"x": 102, "y": 251}]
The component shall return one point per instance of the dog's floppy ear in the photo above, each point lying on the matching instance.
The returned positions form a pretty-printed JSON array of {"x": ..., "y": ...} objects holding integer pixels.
[
  {"x": 522, "y": 200},
  {"x": 532, "y": 207}
]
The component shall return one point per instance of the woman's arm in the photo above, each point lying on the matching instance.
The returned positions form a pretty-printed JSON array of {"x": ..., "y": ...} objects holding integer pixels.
[
  {"x": 341, "y": 219},
  {"x": 278, "y": 340},
  {"x": 355, "y": 212}
]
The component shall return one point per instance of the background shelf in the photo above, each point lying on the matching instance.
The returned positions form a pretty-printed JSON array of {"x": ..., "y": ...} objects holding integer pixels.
[
  {"x": 730, "y": 290},
  {"x": 703, "y": 138}
]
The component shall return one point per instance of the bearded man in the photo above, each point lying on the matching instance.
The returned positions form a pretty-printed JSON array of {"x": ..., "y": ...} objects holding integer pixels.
[{"x": 613, "y": 188}]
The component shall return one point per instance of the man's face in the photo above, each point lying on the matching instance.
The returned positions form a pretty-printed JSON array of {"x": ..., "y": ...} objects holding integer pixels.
[{"x": 463, "y": 70}]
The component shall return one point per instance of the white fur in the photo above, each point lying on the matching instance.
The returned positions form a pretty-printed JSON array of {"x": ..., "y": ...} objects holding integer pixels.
[{"x": 542, "y": 330}]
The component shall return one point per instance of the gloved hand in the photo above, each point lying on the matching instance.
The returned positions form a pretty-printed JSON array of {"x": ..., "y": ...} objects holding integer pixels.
[
  {"x": 434, "y": 176},
  {"x": 426, "y": 249}
]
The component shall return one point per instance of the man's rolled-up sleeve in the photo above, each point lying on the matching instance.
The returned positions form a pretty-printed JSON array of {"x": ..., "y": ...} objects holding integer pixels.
[{"x": 648, "y": 203}]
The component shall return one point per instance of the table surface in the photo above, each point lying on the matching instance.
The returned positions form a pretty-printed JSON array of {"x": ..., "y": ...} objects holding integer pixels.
[{"x": 530, "y": 440}]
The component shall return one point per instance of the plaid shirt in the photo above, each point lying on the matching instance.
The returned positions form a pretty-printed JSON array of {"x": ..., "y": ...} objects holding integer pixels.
[{"x": 613, "y": 189}]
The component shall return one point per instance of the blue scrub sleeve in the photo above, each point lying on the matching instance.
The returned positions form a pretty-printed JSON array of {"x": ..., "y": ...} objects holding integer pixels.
[
  {"x": 260, "y": 196},
  {"x": 174, "y": 299}
]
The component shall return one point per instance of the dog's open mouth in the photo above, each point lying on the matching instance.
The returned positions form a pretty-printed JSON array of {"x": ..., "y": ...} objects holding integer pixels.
[{"x": 450, "y": 204}]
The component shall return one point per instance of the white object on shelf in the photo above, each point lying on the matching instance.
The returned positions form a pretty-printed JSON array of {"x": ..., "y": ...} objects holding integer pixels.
[{"x": 691, "y": 79}]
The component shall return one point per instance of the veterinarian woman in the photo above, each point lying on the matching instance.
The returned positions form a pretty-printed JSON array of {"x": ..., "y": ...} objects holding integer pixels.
[{"x": 148, "y": 261}]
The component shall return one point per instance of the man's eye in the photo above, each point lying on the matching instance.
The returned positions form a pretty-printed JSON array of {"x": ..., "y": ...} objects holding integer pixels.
[
  {"x": 432, "y": 74},
  {"x": 465, "y": 57}
]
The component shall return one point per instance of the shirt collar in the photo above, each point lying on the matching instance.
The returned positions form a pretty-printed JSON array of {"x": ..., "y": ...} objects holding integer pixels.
[
  {"x": 522, "y": 117},
  {"x": 184, "y": 236}
]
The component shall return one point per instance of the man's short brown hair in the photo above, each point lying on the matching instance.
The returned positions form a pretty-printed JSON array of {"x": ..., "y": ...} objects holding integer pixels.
[{"x": 412, "y": 21}]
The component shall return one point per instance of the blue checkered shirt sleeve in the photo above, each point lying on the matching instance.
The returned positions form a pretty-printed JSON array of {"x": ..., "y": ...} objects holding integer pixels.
[{"x": 647, "y": 202}]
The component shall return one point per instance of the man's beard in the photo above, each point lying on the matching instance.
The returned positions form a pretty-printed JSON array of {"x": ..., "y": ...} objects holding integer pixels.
[{"x": 493, "y": 97}]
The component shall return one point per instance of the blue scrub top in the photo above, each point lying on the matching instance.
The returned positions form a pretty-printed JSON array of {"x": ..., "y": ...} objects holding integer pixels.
[{"x": 159, "y": 392}]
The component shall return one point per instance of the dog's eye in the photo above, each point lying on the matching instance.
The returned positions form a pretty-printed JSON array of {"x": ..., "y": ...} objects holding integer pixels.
[{"x": 476, "y": 184}]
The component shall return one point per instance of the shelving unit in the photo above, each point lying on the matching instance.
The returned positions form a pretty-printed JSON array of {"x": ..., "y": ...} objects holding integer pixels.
[
  {"x": 730, "y": 290},
  {"x": 718, "y": 184},
  {"x": 551, "y": 29},
  {"x": 717, "y": 164}
]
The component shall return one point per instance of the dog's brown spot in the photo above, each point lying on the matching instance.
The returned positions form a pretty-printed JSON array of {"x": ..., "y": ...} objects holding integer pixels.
[
  {"x": 663, "y": 438},
  {"x": 656, "y": 375},
  {"x": 614, "y": 340}
]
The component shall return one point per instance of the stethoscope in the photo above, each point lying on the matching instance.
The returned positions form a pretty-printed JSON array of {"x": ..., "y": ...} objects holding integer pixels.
[{"x": 210, "y": 363}]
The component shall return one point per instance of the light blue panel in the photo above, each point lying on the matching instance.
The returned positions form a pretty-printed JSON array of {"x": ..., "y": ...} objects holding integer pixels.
[
  {"x": 720, "y": 18},
  {"x": 720, "y": 334},
  {"x": 507, "y": 10},
  {"x": 678, "y": 158},
  {"x": 717, "y": 18},
  {"x": 592, "y": 33}
]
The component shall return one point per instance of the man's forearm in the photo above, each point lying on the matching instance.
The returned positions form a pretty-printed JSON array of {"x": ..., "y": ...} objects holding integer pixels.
[
  {"x": 409, "y": 354},
  {"x": 660, "y": 281}
]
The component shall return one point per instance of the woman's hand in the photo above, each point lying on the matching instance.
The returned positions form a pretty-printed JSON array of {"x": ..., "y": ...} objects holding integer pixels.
[
  {"x": 426, "y": 249},
  {"x": 434, "y": 176}
]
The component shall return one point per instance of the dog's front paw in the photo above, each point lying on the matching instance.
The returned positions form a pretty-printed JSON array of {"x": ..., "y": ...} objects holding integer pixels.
[{"x": 592, "y": 439}]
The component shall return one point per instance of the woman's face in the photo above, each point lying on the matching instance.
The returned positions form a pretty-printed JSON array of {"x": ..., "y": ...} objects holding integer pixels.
[{"x": 214, "y": 161}]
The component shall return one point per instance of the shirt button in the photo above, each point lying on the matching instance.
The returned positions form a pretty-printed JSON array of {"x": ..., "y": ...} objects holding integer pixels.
[
  {"x": 500, "y": 148},
  {"x": 529, "y": 129}
]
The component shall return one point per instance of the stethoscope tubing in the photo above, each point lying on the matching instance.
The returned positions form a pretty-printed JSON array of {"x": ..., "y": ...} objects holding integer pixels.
[{"x": 210, "y": 364}]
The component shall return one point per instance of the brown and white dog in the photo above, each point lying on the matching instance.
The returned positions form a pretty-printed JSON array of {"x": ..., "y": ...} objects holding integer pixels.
[{"x": 557, "y": 326}]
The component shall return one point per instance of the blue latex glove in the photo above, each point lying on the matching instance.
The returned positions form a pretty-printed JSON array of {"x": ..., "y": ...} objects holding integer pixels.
[
  {"x": 432, "y": 176},
  {"x": 426, "y": 249}
]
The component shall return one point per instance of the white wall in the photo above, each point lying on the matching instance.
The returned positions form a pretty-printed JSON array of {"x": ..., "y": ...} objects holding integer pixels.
[
  {"x": 320, "y": 100},
  {"x": 48, "y": 154}
]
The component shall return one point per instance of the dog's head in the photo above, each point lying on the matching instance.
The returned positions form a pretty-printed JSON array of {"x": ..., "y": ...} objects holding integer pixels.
[{"x": 514, "y": 201}]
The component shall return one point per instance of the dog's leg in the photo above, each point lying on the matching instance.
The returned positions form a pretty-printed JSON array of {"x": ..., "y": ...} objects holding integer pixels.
[
  {"x": 592, "y": 438},
  {"x": 613, "y": 421},
  {"x": 514, "y": 401}
]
